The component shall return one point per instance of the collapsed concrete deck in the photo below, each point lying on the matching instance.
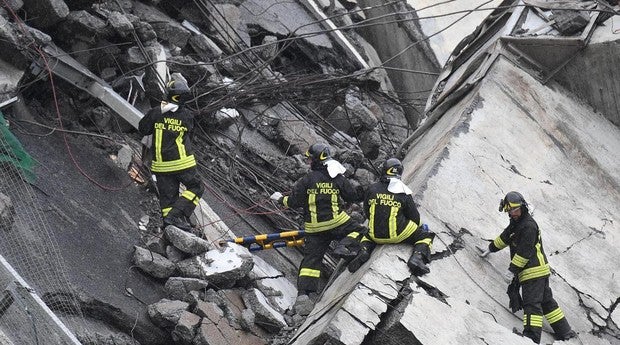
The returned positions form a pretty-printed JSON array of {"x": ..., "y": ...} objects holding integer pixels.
[{"x": 508, "y": 132}]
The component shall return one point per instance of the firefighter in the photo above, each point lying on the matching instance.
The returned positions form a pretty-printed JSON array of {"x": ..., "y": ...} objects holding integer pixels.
[
  {"x": 530, "y": 269},
  {"x": 321, "y": 194},
  {"x": 173, "y": 161},
  {"x": 394, "y": 218}
]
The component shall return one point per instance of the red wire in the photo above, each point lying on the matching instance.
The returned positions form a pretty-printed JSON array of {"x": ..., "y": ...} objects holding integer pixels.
[{"x": 57, "y": 108}]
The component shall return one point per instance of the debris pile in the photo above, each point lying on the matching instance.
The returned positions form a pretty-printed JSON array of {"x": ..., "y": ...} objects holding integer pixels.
[{"x": 218, "y": 292}]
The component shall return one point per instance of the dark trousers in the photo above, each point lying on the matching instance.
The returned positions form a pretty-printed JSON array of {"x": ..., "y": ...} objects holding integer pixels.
[
  {"x": 538, "y": 301},
  {"x": 173, "y": 204},
  {"x": 422, "y": 241},
  {"x": 315, "y": 246}
]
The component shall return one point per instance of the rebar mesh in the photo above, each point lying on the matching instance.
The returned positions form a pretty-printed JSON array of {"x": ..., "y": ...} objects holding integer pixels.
[{"x": 30, "y": 248}]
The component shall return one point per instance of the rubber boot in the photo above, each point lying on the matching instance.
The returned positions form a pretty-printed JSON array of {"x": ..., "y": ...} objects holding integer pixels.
[
  {"x": 416, "y": 264},
  {"x": 568, "y": 335},
  {"x": 179, "y": 222}
]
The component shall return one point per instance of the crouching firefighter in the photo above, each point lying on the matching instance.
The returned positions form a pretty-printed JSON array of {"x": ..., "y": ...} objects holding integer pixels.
[
  {"x": 530, "y": 269},
  {"x": 173, "y": 162},
  {"x": 321, "y": 194},
  {"x": 394, "y": 218}
]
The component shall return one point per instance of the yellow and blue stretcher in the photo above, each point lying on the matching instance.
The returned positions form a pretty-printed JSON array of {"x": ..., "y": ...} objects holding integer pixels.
[{"x": 270, "y": 241}]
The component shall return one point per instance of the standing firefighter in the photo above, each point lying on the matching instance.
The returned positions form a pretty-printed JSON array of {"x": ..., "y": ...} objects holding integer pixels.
[
  {"x": 394, "y": 218},
  {"x": 321, "y": 194},
  {"x": 173, "y": 160},
  {"x": 530, "y": 269}
]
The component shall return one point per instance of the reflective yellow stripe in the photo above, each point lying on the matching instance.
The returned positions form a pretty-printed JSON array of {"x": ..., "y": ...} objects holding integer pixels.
[
  {"x": 539, "y": 254},
  {"x": 329, "y": 224},
  {"x": 519, "y": 261},
  {"x": 309, "y": 272},
  {"x": 285, "y": 201},
  {"x": 335, "y": 207},
  {"x": 176, "y": 165},
  {"x": 535, "y": 320},
  {"x": 534, "y": 272},
  {"x": 312, "y": 208},
  {"x": 554, "y": 316},
  {"x": 354, "y": 234},
  {"x": 426, "y": 241},
  {"x": 365, "y": 239},
  {"x": 159, "y": 133},
  {"x": 407, "y": 232},
  {"x": 180, "y": 146},
  {"x": 371, "y": 221},
  {"x": 191, "y": 196},
  {"x": 393, "y": 227},
  {"x": 499, "y": 243},
  {"x": 164, "y": 211}
]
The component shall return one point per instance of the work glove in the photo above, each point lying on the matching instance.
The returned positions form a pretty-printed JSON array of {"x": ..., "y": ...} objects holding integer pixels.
[
  {"x": 515, "y": 303},
  {"x": 484, "y": 254},
  {"x": 276, "y": 196},
  {"x": 509, "y": 276}
]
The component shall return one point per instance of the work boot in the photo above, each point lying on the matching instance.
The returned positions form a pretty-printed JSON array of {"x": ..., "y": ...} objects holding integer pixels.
[
  {"x": 568, "y": 335},
  {"x": 416, "y": 264},
  {"x": 177, "y": 221}
]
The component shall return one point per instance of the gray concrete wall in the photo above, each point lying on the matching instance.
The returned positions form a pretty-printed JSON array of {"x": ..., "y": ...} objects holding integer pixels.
[{"x": 593, "y": 75}]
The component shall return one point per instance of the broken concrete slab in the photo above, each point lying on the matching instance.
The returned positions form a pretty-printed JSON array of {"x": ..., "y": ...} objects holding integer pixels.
[
  {"x": 46, "y": 13},
  {"x": 265, "y": 315},
  {"x": 167, "y": 29},
  {"x": 221, "y": 268},
  {"x": 166, "y": 313},
  {"x": 280, "y": 291},
  {"x": 179, "y": 287},
  {"x": 153, "y": 263},
  {"x": 186, "y": 242}
]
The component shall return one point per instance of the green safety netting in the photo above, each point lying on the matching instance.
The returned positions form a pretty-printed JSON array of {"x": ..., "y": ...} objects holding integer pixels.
[{"x": 12, "y": 152}]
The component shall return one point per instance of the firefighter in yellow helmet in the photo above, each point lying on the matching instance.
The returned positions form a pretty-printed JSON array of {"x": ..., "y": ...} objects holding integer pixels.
[
  {"x": 394, "y": 218},
  {"x": 530, "y": 269},
  {"x": 173, "y": 161},
  {"x": 322, "y": 193}
]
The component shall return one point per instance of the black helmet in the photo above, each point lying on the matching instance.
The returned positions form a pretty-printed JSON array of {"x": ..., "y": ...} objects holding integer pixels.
[
  {"x": 178, "y": 91},
  {"x": 318, "y": 153},
  {"x": 511, "y": 201},
  {"x": 392, "y": 168}
]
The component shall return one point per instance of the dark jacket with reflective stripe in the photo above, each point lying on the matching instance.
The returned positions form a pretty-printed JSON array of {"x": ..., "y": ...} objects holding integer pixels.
[
  {"x": 528, "y": 258},
  {"x": 172, "y": 148},
  {"x": 322, "y": 199},
  {"x": 392, "y": 218}
]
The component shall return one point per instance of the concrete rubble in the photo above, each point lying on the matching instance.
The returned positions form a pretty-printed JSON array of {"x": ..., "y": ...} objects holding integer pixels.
[{"x": 558, "y": 143}]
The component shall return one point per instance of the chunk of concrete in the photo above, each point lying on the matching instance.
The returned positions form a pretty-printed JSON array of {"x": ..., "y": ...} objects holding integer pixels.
[
  {"x": 45, "y": 13},
  {"x": 185, "y": 241},
  {"x": 265, "y": 315},
  {"x": 221, "y": 268},
  {"x": 166, "y": 313},
  {"x": 153, "y": 263}
]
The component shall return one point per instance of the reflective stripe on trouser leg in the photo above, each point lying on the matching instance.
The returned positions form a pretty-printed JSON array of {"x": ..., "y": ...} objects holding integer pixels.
[
  {"x": 312, "y": 263},
  {"x": 558, "y": 321},
  {"x": 532, "y": 326}
]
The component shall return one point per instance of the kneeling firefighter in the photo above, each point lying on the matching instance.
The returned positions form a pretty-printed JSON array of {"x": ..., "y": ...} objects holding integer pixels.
[{"x": 394, "y": 218}]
